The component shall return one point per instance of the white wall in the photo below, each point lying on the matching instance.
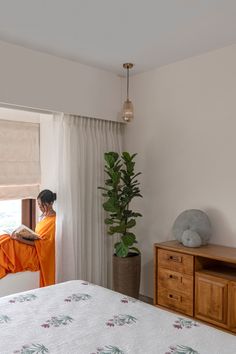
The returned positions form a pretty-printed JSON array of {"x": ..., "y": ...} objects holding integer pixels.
[
  {"x": 33, "y": 79},
  {"x": 185, "y": 133}
]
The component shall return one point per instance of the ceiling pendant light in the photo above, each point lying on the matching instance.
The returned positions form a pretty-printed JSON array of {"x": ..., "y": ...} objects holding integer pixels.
[{"x": 128, "y": 108}]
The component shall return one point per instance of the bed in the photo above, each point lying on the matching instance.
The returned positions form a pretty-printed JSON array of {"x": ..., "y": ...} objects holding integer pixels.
[
  {"x": 17, "y": 282},
  {"x": 80, "y": 317}
]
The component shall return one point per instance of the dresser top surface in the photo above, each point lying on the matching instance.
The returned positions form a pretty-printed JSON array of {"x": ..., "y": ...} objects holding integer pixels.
[{"x": 218, "y": 252}]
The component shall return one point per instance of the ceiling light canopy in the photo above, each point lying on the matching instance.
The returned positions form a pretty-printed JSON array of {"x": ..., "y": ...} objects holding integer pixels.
[{"x": 128, "y": 108}]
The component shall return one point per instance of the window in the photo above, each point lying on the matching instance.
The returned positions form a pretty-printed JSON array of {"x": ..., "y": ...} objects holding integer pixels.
[
  {"x": 16, "y": 212},
  {"x": 19, "y": 170},
  {"x": 10, "y": 214},
  {"x": 29, "y": 213}
]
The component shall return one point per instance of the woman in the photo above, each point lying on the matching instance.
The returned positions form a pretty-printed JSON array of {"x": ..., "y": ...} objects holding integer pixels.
[{"x": 17, "y": 254}]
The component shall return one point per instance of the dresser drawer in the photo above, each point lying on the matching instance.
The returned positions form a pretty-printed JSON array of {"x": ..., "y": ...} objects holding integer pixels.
[
  {"x": 175, "y": 301},
  {"x": 176, "y": 261},
  {"x": 175, "y": 281}
]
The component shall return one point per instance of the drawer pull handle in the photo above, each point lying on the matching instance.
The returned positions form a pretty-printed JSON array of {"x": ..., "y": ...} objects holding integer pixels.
[
  {"x": 174, "y": 277},
  {"x": 175, "y": 259},
  {"x": 175, "y": 297}
]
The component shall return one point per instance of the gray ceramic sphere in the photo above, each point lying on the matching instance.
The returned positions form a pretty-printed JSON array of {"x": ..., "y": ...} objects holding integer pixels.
[{"x": 192, "y": 228}]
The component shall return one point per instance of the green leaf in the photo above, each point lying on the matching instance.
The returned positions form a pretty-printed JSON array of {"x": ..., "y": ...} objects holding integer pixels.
[
  {"x": 126, "y": 156},
  {"x": 128, "y": 239},
  {"x": 127, "y": 213},
  {"x": 108, "y": 221},
  {"x": 108, "y": 182},
  {"x": 115, "y": 177},
  {"x": 111, "y": 205},
  {"x": 138, "y": 195},
  {"x": 137, "y": 174},
  {"x": 117, "y": 229},
  {"x": 133, "y": 156},
  {"x": 121, "y": 249},
  {"x": 134, "y": 185},
  {"x": 113, "y": 215},
  {"x": 131, "y": 223},
  {"x": 105, "y": 189},
  {"x": 111, "y": 158},
  {"x": 135, "y": 215}
]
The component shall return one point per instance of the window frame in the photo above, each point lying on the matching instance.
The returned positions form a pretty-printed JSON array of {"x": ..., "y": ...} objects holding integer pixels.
[{"x": 28, "y": 213}]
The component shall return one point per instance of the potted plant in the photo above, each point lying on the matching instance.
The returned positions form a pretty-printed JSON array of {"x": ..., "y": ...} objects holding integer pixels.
[{"x": 121, "y": 187}]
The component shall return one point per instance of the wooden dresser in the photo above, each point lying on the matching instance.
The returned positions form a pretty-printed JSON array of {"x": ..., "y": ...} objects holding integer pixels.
[{"x": 199, "y": 282}]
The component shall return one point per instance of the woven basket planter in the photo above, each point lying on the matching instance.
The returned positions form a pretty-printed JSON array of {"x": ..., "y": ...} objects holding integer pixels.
[{"x": 126, "y": 275}]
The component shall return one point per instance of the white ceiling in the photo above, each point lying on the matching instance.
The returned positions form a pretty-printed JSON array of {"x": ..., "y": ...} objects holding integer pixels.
[{"x": 107, "y": 33}]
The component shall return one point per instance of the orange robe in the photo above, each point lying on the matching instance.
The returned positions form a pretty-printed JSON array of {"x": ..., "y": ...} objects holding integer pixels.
[
  {"x": 46, "y": 250},
  {"x": 16, "y": 256}
]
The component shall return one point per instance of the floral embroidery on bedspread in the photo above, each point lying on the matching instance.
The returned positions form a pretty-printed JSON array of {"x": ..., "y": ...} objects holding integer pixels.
[
  {"x": 181, "y": 349},
  {"x": 108, "y": 349},
  {"x": 23, "y": 298},
  {"x": 127, "y": 299},
  {"x": 57, "y": 321},
  {"x": 184, "y": 323},
  {"x": 4, "y": 319},
  {"x": 121, "y": 320},
  {"x": 32, "y": 349},
  {"x": 78, "y": 297}
]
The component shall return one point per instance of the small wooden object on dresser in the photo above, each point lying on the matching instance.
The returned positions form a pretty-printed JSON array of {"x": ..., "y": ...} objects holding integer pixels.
[{"x": 198, "y": 282}]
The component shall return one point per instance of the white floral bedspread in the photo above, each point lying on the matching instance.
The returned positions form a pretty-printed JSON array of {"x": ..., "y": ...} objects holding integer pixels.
[{"x": 78, "y": 317}]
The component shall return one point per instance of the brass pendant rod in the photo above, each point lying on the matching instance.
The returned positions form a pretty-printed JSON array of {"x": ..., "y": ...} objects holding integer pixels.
[
  {"x": 128, "y": 83},
  {"x": 128, "y": 66}
]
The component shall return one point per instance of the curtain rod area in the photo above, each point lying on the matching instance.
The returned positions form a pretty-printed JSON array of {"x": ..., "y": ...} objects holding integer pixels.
[{"x": 46, "y": 111}]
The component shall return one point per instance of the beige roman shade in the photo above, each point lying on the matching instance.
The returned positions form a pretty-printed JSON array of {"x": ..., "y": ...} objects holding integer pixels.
[{"x": 19, "y": 160}]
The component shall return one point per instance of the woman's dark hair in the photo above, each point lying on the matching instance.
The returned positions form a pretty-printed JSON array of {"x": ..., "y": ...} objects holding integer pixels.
[{"x": 47, "y": 197}]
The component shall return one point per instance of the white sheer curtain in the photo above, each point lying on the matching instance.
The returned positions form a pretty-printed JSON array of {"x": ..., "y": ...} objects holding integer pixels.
[{"x": 84, "y": 250}]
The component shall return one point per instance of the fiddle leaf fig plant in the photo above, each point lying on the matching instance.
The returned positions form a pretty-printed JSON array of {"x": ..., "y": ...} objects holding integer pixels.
[{"x": 121, "y": 187}]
